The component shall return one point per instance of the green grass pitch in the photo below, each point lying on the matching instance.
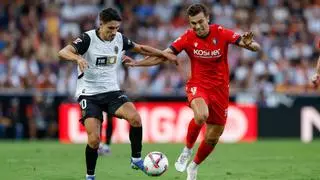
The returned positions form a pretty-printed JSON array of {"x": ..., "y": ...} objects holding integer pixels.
[{"x": 267, "y": 159}]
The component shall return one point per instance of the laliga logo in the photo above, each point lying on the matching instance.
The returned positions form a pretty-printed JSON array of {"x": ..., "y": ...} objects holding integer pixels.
[
  {"x": 207, "y": 53},
  {"x": 168, "y": 122}
]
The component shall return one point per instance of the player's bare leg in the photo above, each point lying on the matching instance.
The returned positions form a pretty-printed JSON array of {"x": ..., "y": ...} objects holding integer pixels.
[
  {"x": 213, "y": 133},
  {"x": 128, "y": 111},
  {"x": 201, "y": 113},
  {"x": 93, "y": 126}
]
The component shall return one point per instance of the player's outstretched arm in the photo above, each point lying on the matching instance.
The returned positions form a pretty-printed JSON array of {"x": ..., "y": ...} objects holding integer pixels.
[
  {"x": 147, "y": 61},
  {"x": 247, "y": 42},
  {"x": 316, "y": 77},
  {"x": 70, "y": 53},
  {"x": 150, "y": 51}
]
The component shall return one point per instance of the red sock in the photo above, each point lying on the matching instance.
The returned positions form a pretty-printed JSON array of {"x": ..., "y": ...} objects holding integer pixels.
[
  {"x": 193, "y": 132},
  {"x": 203, "y": 152}
]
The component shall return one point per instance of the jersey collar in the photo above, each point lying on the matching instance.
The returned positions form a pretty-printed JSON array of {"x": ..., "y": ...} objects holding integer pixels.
[{"x": 97, "y": 33}]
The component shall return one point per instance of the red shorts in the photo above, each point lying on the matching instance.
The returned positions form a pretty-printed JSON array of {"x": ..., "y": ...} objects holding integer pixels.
[{"x": 216, "y": 99}]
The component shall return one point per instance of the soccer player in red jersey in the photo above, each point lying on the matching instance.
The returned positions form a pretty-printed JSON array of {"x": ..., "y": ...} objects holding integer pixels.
[{"x": 208, "y": 87}]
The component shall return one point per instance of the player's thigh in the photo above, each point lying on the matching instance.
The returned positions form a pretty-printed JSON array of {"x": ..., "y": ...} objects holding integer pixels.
[
  {"x": 200, "y": 109},
  {"x": 198, "y": 101},
  {"x": 213, "y": 133},
  {"x": 129, "y": 112},
  {"x": 125, "y": 110}
]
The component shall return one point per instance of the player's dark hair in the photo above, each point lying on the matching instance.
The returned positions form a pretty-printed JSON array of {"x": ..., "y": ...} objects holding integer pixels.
[
  {"x": 197, "y": 8},
  {"x": 109, "y": 14}
]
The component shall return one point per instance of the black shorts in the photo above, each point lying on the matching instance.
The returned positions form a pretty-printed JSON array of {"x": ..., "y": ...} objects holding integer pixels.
[{"x": 94, "y": 105}]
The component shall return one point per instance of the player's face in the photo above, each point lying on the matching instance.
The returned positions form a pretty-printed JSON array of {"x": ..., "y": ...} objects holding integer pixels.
[
  {"x": 200, "y": 24},
  {"x": 110, "y": 29}
]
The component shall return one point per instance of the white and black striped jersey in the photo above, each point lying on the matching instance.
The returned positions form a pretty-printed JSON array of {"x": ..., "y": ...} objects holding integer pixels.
[{"x": 104, "y": 59}]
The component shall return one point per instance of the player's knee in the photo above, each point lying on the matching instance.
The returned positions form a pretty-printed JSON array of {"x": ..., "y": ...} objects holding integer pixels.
[
  {"x": 201, "y": 118},
  {"x": 94, "y": 140},
  {"x": 135, "y": 120}
]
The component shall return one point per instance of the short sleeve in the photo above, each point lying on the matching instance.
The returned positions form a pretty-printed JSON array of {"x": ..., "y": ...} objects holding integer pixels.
[
  {"x": 231, "y": 36},
  {"x": 127, "y": 43},
  {"x": 81, "y": 44},
  {"x": 179, "y": 44}
]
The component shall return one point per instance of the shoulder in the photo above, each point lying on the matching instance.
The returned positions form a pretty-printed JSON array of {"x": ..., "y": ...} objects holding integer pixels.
[
  {"x": 120, "y": 37},
  {"x": 126, "y": 42},
  {"x": 220, "y": 28},
  {"x": 119, "y": 34},
  {"x": 86, "y": 37},
  {"x": 187, "y": 35},
  {"x": 223, "y": 31},
  {"x": 216, "y": 27},
  {"x": 90, "y": 33},
  {"x": 82, "y": 43}
]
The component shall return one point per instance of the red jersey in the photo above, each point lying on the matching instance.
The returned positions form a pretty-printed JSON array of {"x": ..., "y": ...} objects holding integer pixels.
[{"x": 208, "y": 55}]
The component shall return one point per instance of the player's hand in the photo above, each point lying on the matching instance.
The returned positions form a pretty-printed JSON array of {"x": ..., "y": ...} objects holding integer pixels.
[
  {"x": 247, "y": 38},
  {"x": 128, "y": 61},
  {"x": 315, "y": 79},
  {"x": 83, "y": 64},
  {"x": 171, "y": 57}
]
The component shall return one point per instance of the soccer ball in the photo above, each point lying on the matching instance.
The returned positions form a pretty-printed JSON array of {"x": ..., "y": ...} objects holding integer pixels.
[{"x": 155, "y": 163}]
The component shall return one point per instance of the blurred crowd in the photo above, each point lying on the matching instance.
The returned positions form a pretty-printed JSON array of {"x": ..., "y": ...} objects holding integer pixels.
[
  {"x": 33, "y": 117},
  {"x": 32, "y": 32}
]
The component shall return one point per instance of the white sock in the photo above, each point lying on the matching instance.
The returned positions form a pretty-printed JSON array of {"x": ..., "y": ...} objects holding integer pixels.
[
  {"x": 135, "y": 159},
  {"x": 187, "y": 150},
  {"x": 193, "y": 165},
  {"x": 90, "y": 175}
]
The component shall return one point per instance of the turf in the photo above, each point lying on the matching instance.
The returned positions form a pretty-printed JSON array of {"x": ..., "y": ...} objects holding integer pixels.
[{"x": 274, "y": 160}]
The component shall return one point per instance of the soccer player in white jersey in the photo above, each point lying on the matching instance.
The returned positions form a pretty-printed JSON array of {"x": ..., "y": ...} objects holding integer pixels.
[{"x": 98, "y": 55}]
